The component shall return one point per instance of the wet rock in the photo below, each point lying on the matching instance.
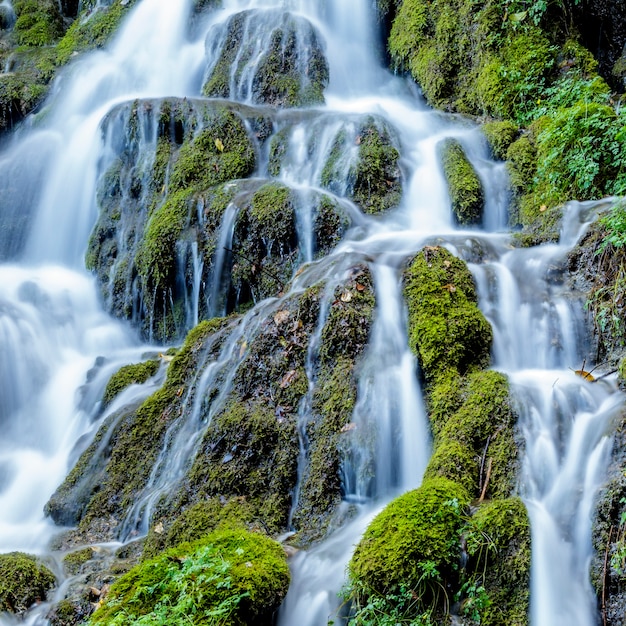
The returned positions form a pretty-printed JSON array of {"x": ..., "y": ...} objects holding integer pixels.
[
  {"x": 267, "y": 57},
  {"x": 23, "y": 581},
  {"x": 466, "y": 191}
]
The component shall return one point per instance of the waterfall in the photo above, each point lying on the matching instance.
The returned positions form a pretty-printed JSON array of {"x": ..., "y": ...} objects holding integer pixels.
[{"x": 60, "y": 347}]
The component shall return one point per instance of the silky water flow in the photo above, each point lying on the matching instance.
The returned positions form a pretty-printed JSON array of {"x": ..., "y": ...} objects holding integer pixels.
[{"x": 59, "y": 347}]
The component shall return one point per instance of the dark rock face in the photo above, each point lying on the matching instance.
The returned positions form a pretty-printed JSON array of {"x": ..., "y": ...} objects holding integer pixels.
[
  {"x": 267, "y": 57},
  {"x": 602, "y": 24}
]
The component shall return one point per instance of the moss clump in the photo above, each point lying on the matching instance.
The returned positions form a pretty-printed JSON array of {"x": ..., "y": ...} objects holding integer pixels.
[
  {"x": 220, "y": 152},
  {"x": 498, "y": 544},
  {"x": 466, "y": 191},
  {"x": 482, "y": 427},
  {"x": 413, "y": 542},
  {"x": 92, "y": 29},
  {"x": 25, "y": 86},
  {"x": 156, "y": 256},
  {"x": 109, "y": 474},
  {"x": 446, "y": 328},
  {"x": 377, "y": 181},
  {"x": 231, "y": 575},
  {"x": 23, "y": 581},
  {"x": 198, "y": 521},
  {"x": 127, "y": 375},
  {"x": 73, "y": 561},
  {"x": 500, "y": 135},
  {"x": 265, "y": 243},
  {"x": 38, "y": 23}
]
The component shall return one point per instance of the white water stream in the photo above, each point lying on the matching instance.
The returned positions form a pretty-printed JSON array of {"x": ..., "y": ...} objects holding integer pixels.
[{"x": 53, "y": 331}]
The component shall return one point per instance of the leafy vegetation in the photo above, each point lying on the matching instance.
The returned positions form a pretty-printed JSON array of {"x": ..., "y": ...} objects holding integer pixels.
[{"x": 231, "y": 577}]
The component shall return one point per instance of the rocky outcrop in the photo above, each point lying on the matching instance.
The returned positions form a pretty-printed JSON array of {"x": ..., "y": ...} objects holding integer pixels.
[{"x": 266, "y": 57}]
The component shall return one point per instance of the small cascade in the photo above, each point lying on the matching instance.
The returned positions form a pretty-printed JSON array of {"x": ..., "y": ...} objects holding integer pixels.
[
  {"x": 540, "y": 342},
  {"x": 7, "y": 15}
]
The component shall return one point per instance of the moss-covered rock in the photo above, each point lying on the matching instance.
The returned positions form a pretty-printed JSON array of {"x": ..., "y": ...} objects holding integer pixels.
[
  {"x": 136, "y": 373},
  {"x": 497, "y": 537},
  {"x": 363, "y": 165},
  {"x": 465, "y": 188},
  {"x": 231, "y": 575},
  {"x": 24, "y": 87},
  {"x": 500, "y": 135},
  {"x": 38, "y": 23},
  {"x": 23, "y": 581},
  {"x": 481, "y": 432},
  {"x": 152, "y": 231},
  {"x": 446, "y": 328},
  {"x": 92, "y": 29},
  {"x": 73, "y": 561},
  {"x": 291, "y": 71},
  {"x": 247, "y": 451},
  {"x": 413, "y": 542},
  {"x": 115, "y": 467},
  {"x": 199, "y": 520}
]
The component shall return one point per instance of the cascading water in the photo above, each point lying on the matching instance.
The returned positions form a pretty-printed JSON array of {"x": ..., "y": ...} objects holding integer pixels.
[{"x": 59, "y": 347}]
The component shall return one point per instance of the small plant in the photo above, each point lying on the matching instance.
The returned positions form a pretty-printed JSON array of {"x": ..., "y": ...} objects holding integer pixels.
[
  {"x": 618, "y": 558},
  {"x": 615, "y": 224},
  {"x": 474, "y": 599}
]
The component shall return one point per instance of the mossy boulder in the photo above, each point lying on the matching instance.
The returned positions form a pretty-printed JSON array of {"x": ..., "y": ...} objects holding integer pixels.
[
  {"x": 498, "y": 543},
  {"x": 291, "y": 71},
  {"x": 197, "y": 521},
  {"x": 366, "y": 156},
  {"x": 25, "y": 86},
  {"x": 466, "y": 190},
  {"x": 152, "y": 233},
  {"x": 414, "y": 542},
  {"x": 446, "y": 328},
  {"x": 247, "y": 451},
  {"x": 23, "y": 581},
  {"x": 38, "y": 23},
  {"x": 93, "y": 28},
  {"x": 232, "y": 575},
  {"x": 115, "y": 467},
  {"x": 475, "y": 443},
  {"x": 73, "y": 561},
  {"x": 500, "y": 135},
  {"x": 135, "y": 373}
]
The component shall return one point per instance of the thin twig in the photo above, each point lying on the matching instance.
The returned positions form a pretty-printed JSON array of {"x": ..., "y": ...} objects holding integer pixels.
[
  {"x": 482, "y": 464},
  {"x": 606, "y": 559},
  {"x": 261, "y": 268},
  {"x": 484, "y": 491}
]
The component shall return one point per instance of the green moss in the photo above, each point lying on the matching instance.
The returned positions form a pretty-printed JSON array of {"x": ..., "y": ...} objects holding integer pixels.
[
  {"x": 500, "y": 136},
  {"x": 39, "y": 22},
  {"x": 92, "y": 29},
  {"x": 196, "y": 522},
  {"x": 291, "y": 72},
  {"x": 466, "y": 191},
  {"x": 456, "y": 462},
  {"x": 23, "y": 581},
  {"x": 446, "y": 328},
  {"x": 247, "y": 451},
  {"x": 231, "y": 575},
  {"x": 156, "y": 256},
  {"x": 221, "y": 151},
  {"x": 483, "y": 425},
  {"x": 377, "y": 183},
  {"x": 73, "y": 561},
  {"x": 413, "y": 542},
  {"x": 25, "y": 87},
  {"x": 498, "y": 544},
  {"x": 321, "y": 487},
  {"x": 115, "y": 467},
  {"x": 127, "y": 375},
  {"x": 521, "y": 158}
]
